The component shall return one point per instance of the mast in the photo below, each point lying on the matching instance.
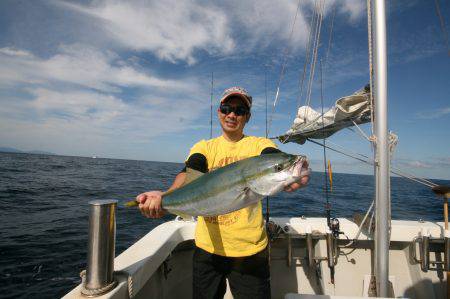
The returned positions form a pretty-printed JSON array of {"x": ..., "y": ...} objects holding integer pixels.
[{"x": 382, "y": 153}]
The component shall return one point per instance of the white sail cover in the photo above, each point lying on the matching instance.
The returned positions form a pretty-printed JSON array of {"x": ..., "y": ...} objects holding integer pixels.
[{"x": 347, "y": 110}]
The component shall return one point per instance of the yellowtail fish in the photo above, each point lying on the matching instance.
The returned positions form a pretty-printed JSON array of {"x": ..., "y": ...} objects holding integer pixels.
[{"x": 234, "y": 186}]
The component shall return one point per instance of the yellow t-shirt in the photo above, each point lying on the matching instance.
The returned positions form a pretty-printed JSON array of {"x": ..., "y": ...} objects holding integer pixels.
[{"x": 239, "y": 233}]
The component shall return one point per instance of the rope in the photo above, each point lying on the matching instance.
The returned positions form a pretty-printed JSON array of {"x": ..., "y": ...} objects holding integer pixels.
[
  {"x": 95, "y": 292},
  {"x": 286, "y": 51},
  {"x": 361, "y": 132}
]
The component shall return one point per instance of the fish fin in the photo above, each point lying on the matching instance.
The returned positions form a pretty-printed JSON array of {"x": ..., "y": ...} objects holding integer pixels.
[
  {"x": 192, "y": 175},
  {"x": 131, "y": 203},
  {"x": 260, "y": 189},
  {"x": 245, "y": 198}
]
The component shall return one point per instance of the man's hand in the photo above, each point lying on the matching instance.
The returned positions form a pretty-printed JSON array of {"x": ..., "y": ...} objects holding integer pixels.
[
  {"x": 150, "y": 204},
  {"x": 303, "y": 181}
]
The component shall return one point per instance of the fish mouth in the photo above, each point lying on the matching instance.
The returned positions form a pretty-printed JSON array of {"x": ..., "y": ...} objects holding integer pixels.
[{"x": 297, "y": 165}]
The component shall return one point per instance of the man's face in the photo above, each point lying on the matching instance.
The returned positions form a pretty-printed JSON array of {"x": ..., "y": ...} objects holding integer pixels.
[{"x": 232, "y": 123}]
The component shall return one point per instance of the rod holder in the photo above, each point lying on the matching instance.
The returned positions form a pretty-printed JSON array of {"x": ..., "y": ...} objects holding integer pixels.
[
  {"x": 310, "y": 248},
  {"x": 289, "y": 250},
  {"x": 447, "y": 253},
  {"x": 99, "y": 277},
  {"x": 424, "y": 253},
  {"x": 330, "y": 250}
]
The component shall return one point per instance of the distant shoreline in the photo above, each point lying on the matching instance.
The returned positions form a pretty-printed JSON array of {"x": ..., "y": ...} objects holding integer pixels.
[{"x": 180, "y": 163}]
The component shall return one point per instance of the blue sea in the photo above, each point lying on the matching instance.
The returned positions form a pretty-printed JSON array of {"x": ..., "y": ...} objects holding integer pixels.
[{"x": 44, "y": 212}]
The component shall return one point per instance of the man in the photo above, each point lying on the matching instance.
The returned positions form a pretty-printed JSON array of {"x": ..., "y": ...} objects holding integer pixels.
[{"x": 232, "y": 246}]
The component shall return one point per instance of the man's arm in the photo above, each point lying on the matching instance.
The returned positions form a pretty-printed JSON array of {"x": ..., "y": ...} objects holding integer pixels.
[{"x": 150, "y": 202}]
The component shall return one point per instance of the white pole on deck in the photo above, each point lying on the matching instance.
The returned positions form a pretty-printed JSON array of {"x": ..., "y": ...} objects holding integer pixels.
[{"x": 382, "y": 153}]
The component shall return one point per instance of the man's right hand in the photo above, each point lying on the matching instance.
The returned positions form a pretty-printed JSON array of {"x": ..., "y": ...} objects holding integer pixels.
[{"x": 150, "y": 204}]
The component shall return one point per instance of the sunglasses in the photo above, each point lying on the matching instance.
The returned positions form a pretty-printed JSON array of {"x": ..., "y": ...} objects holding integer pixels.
[{"x": 238, "y": 110}]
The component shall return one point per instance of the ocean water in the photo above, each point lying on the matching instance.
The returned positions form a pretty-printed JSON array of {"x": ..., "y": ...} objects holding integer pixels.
[{"x": 44, "y": 212}]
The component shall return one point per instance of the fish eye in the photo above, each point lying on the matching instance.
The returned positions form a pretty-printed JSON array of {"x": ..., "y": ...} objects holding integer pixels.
[{"x": 278, "y": 167}]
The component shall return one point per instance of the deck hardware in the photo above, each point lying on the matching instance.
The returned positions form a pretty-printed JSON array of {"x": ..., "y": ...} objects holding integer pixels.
[
  {"x": 289, "y": 250},
  {"x": 331, "y": 253},
  {"x": 444, "y": 192},
  {"x": 447, "y": 253},
  {"x": 425, "y": 241},
  {"x": 335, "y": 227},
  {"x": 310, "y": 248},
  {"x": 99, "y": 278},
  {"x": 425, "y": 253}
]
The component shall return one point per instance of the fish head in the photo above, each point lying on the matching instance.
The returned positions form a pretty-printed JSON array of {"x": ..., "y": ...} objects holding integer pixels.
[{"x": 271, "y": 173}]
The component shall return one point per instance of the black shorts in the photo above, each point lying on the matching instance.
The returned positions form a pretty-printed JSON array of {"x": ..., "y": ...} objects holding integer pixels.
[{"x": 249, "y": 277}]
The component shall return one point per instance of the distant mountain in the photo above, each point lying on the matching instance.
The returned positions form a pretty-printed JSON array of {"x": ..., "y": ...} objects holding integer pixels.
[
  {"x": 15, "y": 150},
  {"x": 40, "y": 153},
  {"x": 10, "y": 150}
]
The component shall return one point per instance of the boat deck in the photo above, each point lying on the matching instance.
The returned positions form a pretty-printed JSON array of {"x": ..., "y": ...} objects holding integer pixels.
[{"x": 160, "y": 264}]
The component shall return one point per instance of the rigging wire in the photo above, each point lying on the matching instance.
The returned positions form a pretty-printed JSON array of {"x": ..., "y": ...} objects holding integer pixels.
[
  {"x": 331, "y": 34},
  {"x": 315, "y": 51},
  {"x": 311, "y": 56},
  {"x": 283, "y": 67},
  {"x": 305, "y": 64},
  {"x": 441, "y": 21},
  {"x": 360, "y": 131},
  {"x": 267, "y": 198},
  {"x": 327, "y": 198},
  {"x": 360, "y": 226},
  {"x": 369, "y": 161},
  {"x": 211, "y": 106}
]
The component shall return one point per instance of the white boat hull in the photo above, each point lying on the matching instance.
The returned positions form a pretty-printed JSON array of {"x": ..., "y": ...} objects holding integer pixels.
[{"x": 160, "y": 264}]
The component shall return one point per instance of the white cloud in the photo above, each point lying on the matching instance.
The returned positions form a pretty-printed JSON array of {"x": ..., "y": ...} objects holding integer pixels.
[
  {"x": 433, "y": 114},
  {"x": 77, "y": 105},
  {"x": 88, "y": 90},
  {"x": 77, "y": 64},
  {"x": 173, "y": 30},
  {"x": 412, "y": 164},
  {"x": 92, "y": 119},
  {"x": 176, "y": 30},
  {"x": 354, "y": 8}
]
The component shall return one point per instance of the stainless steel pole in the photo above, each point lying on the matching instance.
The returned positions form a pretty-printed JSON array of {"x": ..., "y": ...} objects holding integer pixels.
[
  {"x": 382, "y": 175},
  {"x": 101, "y": 248}
]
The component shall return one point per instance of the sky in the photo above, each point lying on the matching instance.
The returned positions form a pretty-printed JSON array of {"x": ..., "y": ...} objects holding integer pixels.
[{"x": 132, "y": 79}]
